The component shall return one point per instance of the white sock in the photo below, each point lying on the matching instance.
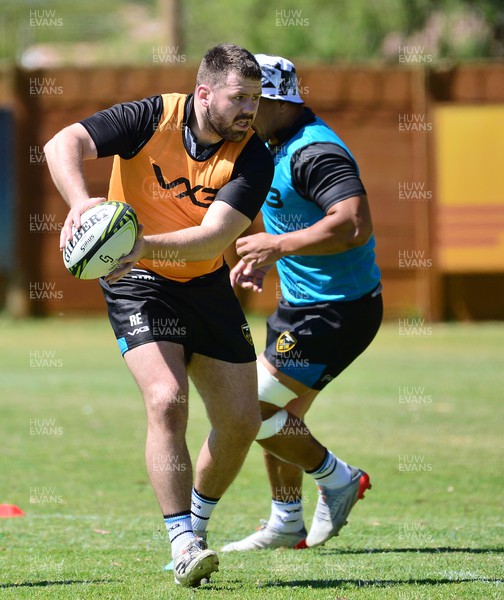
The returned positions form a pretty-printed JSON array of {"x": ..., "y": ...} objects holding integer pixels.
[
  {"x": 201, "y": 509},
  {"x": 333, "y": 473},
  {"x": 286, "y": 517},
  {"x": 180, "y": 531}
]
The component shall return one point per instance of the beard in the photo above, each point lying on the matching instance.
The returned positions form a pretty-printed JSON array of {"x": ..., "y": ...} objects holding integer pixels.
[{"x": 217, "y": 123}]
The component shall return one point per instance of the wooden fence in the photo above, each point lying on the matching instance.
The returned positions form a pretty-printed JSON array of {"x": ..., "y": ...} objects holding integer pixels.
[{"x": 391, "y": 118}]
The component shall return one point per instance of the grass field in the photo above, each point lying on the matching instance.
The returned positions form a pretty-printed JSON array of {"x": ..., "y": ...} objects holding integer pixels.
[{"x": 421, "y": 411}]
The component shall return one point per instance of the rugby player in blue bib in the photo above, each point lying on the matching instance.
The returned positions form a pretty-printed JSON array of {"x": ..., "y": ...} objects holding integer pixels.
[{"x": 318, "y": 232}]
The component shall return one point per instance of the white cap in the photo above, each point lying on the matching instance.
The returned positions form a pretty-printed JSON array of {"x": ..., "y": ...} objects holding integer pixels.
[{"x": 279, "y": 81}]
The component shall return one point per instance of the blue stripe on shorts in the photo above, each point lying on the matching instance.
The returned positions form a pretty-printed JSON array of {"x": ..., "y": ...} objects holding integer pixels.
[{"x": 123, "y": 345}]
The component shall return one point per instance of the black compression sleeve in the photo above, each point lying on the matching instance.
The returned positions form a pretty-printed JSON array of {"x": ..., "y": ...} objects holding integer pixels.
[
  {"x": 124, "y": 128},
  {"x": 324, "y": 173},
  {"x": 250, "y": 180}
]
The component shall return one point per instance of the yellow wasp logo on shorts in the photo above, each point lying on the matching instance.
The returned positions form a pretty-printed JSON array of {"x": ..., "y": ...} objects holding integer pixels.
[
  {"x": 246, "y": 333},
  {"x": 285, "y": 342}
]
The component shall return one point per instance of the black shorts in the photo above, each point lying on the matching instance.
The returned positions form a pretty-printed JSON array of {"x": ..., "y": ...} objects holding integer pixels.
[
  {"x": 314, "y": 344},
  {"x": 203, "y": 314}
]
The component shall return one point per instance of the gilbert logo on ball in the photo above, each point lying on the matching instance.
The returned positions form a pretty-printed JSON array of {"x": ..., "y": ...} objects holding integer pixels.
[{"x": 108, "y": 231}]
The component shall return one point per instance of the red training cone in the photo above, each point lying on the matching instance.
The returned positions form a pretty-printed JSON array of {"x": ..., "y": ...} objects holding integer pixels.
[{"x": 10, "y": 510}]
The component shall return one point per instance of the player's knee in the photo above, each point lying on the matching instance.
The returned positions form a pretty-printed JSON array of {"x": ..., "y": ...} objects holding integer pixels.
[
  {"x": 247, "y": 425},
  {"x": 165, "y": 405},
  {"x": 240, "y": 424},
  {"x": 270, "y": 389},
  {"x": 273, "y": 396},
  {"x": 273, "y": 425}
]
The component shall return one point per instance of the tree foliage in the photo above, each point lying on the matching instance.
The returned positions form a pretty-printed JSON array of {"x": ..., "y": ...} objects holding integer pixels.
[{"x": 115, "y": 31}]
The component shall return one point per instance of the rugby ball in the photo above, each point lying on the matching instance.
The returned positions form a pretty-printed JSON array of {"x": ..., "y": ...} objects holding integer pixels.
[{"x": 108, "y": 231}]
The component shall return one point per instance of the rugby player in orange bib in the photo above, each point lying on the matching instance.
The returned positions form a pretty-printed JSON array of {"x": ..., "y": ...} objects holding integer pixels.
[{"x": 196, "y": 175}]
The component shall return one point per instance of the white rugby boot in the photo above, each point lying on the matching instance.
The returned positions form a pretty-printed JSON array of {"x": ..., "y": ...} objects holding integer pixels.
[
  {"x": 334, "y": 506},
  {"x": 195, "y": 563},
  {"x": 267, "y": 537}
]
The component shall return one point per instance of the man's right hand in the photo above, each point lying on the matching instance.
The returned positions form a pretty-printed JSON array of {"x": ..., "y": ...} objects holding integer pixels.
[{"x": 74, "y": 219}]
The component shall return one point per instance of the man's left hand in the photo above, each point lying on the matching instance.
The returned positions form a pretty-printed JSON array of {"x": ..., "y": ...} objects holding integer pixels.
[{"x": 259, "y": 249}]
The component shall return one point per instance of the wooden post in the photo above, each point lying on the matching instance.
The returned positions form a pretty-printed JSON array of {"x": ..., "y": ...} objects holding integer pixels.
[{"x": 170, "y": 13}]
